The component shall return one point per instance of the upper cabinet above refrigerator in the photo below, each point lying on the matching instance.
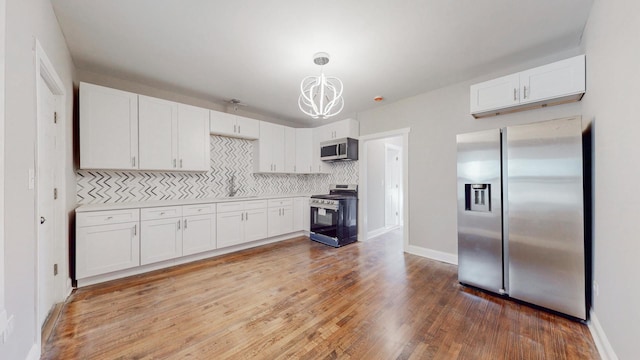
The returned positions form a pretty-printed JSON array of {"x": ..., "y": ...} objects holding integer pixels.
[{"x": 553, "y": 84}]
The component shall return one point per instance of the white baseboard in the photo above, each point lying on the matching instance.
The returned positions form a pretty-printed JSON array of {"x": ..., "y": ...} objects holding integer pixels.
[
  {"x": 377, "y": 232},
  {"x": 600, "y": 339},
  {"x": 34, "y": 353},
  {"x": 432, "y": 254}
]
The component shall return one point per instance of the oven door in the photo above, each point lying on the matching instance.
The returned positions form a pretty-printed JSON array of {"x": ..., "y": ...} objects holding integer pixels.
[{"x": 325, "y": 220}]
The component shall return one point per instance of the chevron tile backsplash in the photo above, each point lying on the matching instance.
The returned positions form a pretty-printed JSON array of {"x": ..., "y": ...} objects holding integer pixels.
[{"x": 229, "y": 157}]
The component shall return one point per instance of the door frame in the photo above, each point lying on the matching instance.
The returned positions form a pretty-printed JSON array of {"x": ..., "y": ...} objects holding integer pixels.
[
  {"x": 45, "y": 70},
  {"x": 362, "y": 186},
  {"x": 398, "y": 149}
]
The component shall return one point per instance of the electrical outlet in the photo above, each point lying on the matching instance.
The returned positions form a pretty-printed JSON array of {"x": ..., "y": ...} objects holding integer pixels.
[{"x": 596, "y": 288}]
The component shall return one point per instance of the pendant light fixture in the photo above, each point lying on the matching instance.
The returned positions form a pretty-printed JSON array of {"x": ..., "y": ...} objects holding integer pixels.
[{"x": 321, "y": 96}]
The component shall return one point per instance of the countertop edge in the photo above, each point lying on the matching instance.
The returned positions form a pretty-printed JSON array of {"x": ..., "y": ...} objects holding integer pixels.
[{"x": 179, "y": 202}]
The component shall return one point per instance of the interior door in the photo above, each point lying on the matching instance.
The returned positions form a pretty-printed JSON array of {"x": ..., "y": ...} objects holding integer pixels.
[{"x": 46, "y": 211}]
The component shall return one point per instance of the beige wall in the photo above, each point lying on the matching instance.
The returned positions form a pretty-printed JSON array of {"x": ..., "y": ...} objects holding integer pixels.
[
  {"x": 612, "y": 103},
  {"x": 435, "y": 118},
  {"x": 26, "y": 21}
]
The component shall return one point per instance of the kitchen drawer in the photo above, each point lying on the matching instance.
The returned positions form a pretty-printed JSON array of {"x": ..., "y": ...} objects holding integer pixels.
[
  {"x": 93, "y": 218},
  {"x": 280, "y": 202},
  {"x": 230, "y": 206},
  {"x": 257, "y": 204},
  {"x": 199, "y": 209},
  {"x": 160, "y": 212}
]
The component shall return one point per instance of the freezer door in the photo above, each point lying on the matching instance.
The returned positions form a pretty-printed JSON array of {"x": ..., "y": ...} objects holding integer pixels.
[
  {"x": 546, "y": 215},
  {"x": 480, "y": 210}
]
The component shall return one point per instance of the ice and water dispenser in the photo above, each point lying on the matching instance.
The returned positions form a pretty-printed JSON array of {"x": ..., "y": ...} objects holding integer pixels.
[{"x": 478, "y": 197}]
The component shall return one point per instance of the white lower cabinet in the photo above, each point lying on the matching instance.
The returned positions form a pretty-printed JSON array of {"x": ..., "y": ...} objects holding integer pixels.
[
  {"x": 301, "y": 213},
  {"x": 107, "y": 241},
  {"x": 199, "y": 229},
  {"x": 280, "y": 216},
  {"x": 160, "y": 240},
  {"x": 115, "y": 243},
  {"x": 241, "y": 222}
]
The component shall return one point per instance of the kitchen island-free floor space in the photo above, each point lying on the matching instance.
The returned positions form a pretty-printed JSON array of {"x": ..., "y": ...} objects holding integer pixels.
[{"x": 303, "y": 300}]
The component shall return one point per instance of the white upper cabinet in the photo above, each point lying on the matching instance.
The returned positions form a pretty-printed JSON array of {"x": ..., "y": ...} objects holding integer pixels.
[
  {"x": 495, "y": 94},
  {"x": 560, "y": 79},
  {"x": 269, "y": 150},
  {"x": 551, "y": 84},
  {"x": 158, "y": 131},
  {"x": 304, "y": 151},
  {"x": 339, "y": 129},
  {"x": 289, "y": 149},
  {"x": 122, "y": 130},
  {"x": 193, "y": 138},
  {"x": 231, "y": 125},
  {"x": 108, "y": 128}
]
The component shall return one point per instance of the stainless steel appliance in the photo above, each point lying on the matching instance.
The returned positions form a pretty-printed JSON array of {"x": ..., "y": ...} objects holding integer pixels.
[
  {"x": 521, "y": 214},
  {"x": 339, "y": 149},
  {"x": 334, "y": 217}
]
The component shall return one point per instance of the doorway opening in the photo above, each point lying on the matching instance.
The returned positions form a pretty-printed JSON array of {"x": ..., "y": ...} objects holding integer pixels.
[{"x": 383, "y": 185}]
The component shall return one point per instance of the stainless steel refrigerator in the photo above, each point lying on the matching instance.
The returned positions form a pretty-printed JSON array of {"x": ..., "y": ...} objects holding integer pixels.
[{"x": 521, "y": 214}]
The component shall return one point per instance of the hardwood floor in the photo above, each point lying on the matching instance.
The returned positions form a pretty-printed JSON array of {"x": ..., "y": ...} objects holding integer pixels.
[{"x": 299, "y": 299}]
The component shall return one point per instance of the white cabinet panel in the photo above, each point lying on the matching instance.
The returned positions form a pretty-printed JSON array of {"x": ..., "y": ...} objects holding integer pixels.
[
  {"x": 193, "y": 138},
  {"x": 158, "y": 130},
  {"x": 108, "y": 128},
  {"x": 230, "y": 228},
  {"x": 339, "y": 129},
  {"x": 561, "y": 78},
  {"x": 317, "y": 165},
  {"x": 232, "y": 125},
  {"x": 107, "y": 217},
  {"x": 269, "y": 149},
  {"x": 255, "y": 225},
  {"x": 248, "y": 128},
  {"x": 280, "y": 216},
  {"x": 495, "y": 94},
  {"x": 160, "y": 240},
  {"x": 241, "y": 222},
  {"x": 301, "y": 214},
  {"x": 106, "y": 248},
  {"x": 304, "y": 151},
  {"x": 289, "y": 150},
  {"x": 198, "y": 234},
  {"x": 551, "y": 84}
]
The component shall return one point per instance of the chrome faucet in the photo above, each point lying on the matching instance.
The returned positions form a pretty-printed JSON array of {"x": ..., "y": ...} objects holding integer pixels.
[{"x": 232, "y": 185}]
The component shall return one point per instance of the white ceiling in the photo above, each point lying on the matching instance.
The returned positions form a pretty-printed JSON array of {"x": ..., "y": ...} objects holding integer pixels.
[{"x": 258, "y": 51}]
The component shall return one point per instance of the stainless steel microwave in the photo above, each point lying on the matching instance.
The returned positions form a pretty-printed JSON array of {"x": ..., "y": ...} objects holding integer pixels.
[{"x": 339, "y": 149}]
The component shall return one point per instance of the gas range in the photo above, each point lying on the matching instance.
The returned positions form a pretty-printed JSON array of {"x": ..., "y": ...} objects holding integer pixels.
[{"x": 334, "y": 216}]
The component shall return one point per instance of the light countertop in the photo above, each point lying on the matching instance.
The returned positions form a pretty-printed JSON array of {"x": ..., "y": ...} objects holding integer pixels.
[{"x": 178, "y": 202}]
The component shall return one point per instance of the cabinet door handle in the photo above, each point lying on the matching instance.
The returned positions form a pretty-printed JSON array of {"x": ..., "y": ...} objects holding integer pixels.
[
  {"x": 185, "y": 224},
  {"x": 180, "y": 163},
  {"x": 241, "y": 216},
  {"x": 514, "y": 94},
  {"x": 235, "y": 127},
  {"x": 135, "y": 229},
  {"x": 239, "y": 132},
  {"x": 174, "y": 163},
  {"x": 247, "y": 216},
  {"x": 178, "y": 224},
  {"x": 525, "y": 92},
  {"x": 133, "y": 161}
]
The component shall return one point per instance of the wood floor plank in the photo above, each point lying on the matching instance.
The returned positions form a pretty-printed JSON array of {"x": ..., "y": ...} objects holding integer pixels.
[{"x": 299, "y": 299}]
